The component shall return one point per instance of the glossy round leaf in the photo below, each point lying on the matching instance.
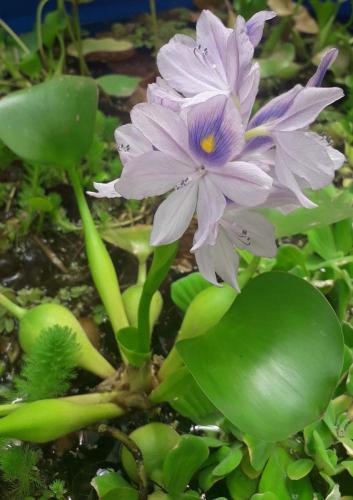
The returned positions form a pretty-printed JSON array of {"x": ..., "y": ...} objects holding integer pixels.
[
  {"x": 52, "y": 122},
  {"x": 273, "y": 361}
]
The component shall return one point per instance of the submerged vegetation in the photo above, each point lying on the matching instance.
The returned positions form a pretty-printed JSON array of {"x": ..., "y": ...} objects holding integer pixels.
[{"x": 132, "y": 368}]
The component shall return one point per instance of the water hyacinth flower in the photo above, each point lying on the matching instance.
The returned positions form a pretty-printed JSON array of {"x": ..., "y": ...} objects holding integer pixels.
[
  {"x": 220, "y": 61},
  {"x": 197, "y": 158},
  {"x": 302, "y": 158},
  {"x": 195, "y": 140}
]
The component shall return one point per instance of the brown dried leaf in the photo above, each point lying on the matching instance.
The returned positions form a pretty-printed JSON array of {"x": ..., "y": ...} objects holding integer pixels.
[
  {"x": 305, "y": 23},
  {"x": 282, "y": 7}
]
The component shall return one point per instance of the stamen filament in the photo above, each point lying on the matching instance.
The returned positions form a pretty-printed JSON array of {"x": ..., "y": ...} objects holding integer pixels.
[{"x": 256, "y": 132}]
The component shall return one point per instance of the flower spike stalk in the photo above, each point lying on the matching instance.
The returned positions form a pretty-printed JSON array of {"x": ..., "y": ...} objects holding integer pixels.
[{"x": 99, "y": 260}]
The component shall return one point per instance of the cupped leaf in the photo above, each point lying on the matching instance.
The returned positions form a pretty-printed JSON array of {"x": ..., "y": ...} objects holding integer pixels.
[
  {"x": 264, "y": 359},
  {"x": 184, "y": 290},
  {"x": 52, "y": 122},
  {"x": 132, "y": 347},
  {"x": 182, "y": 462},
  {"x": 119, "y": 85},
  {"x": 134, "y": 239},
  {"x": 109, "y": 485},
  {"x": 300, "y": 468}
]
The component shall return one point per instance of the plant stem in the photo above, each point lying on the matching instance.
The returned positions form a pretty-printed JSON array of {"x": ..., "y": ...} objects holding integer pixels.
[
  {"x": 153, "y": 11},
  {"x": 249, "y": 272},
  {"x": 97, "y": 398},
  {"x": 136, "y": 453},
  {"x": 15, "y": 37},
  {"x": 141, "y": 275},
  {"x": 43, "y": 56},
  {"x": 76, "y": 18},
  {"x": 6, "y": 409},
  {"x": 11, "y": 307},
  {"x": 99, "y": 261}
]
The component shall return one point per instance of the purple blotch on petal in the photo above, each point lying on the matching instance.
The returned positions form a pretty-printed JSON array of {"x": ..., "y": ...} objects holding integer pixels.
[{"x": 211, "y": 122}]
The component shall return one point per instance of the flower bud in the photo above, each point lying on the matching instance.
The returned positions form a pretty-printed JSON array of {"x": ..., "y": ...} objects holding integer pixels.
[
  {"x": 49, "y": 419},
  {"x": 42, "y": 317}
]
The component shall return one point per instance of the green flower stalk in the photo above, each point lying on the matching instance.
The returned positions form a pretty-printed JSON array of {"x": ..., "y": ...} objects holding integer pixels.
[
  {"x": 99, "y": 261},
  {"x": 49, "y": 419},
  {"x": 45, "y": 316}
]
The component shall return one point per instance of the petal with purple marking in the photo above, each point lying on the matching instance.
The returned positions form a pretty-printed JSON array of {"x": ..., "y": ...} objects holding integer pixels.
[{"x": 215, "y": 131}]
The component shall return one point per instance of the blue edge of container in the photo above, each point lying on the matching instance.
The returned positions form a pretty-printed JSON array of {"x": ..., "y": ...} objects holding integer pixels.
[{"x": 20, "y": 14}]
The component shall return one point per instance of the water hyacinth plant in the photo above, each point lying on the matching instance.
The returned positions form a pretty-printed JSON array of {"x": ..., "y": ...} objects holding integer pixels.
[{"x": 260, "y": 369}]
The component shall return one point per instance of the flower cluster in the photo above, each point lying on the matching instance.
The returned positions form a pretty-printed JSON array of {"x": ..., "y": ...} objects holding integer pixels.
[{"x": 195, "y": 139}]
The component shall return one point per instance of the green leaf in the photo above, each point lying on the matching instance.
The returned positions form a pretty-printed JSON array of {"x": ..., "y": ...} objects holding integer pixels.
[
  {"x": 184, "y": 290},
  {"x": 300, "y": 468},
  {"x": 92, "y": 45},
  {"x": 265, "y": 496},
  {"x": 274, "y": 477},
  {"x": 322, "y": 242},
  {"x": 229, "y": 462},
  {"x": 348, "y": 465},
  {"x": 118, "y": 85},
  {"x": 54, "y": 23},
  {"x": 343, "y": 234},
  {"x": 110, "y": 485},
  {"x": 52, "y": 122},
  {"x": 280, "y": 64},
  {"x": 240, "y": 486},
  {"x": 331, "y": 209},
  {"x": 288, "y": 257},
  {"x": 135, "y": 239},
  {"x": 184, "y": 395},
  {"x": 132, "y": 346},
  {"x": 182, "y": 462},
  {"x": 259, "y": 451},
  {"x": 30, "y": 65},
  {"x": 266, "y": 354}
]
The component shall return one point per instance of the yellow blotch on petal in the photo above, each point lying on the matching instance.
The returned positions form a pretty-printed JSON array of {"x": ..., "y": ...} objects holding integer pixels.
[{"x": 208, "y": 144}]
